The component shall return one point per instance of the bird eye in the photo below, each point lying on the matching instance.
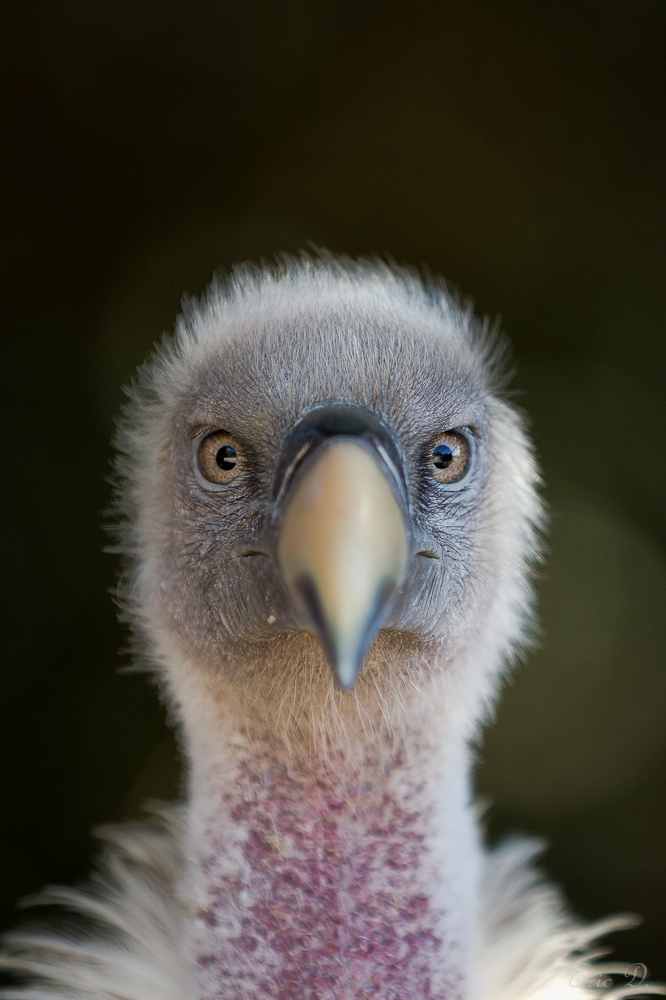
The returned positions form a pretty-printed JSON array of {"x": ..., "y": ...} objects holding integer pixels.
[
  {"x": 220, "y": 458},
  {"x": 449, "y": 459}
]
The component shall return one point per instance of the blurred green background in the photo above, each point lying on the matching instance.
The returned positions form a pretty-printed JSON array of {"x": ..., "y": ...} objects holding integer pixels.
[{"x": 517, "y": 148}]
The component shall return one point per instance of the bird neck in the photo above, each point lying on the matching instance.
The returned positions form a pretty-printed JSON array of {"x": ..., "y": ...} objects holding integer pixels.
[{"x": 344, "y": 873}]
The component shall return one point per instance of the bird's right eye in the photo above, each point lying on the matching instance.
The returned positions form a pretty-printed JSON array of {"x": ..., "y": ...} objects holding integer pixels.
[{"x": 220, "y": 458}]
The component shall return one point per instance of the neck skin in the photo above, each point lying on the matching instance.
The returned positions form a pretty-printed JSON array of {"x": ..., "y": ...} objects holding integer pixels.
[{"x": 346, "y": 873}]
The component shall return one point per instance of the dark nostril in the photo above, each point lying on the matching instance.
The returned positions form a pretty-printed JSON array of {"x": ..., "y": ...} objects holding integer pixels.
[
  {"x": 246, "y": 553},
  {"x": 428, "y": 554},
  {"x": 337, "y": 420}
]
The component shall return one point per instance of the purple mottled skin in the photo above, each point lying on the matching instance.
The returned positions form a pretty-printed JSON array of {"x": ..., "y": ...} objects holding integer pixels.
[{"x": 335, "y": 891}]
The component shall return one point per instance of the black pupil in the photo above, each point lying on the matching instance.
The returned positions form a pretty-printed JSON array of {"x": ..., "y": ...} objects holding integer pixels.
[
  {"x": 442, "y": 456},
  {"x": 226, "y": 457}
]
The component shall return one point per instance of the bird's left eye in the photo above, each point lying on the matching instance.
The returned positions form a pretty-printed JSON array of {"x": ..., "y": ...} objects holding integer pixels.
[
  {"x": 449, "y": 459},
  {"x": 220, "y": 458}
]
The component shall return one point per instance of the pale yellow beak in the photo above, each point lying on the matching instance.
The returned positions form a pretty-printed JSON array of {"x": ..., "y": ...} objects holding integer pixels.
[{"x": 343, "y": 550}]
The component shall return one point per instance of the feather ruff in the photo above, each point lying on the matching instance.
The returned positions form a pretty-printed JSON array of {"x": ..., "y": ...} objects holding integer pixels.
[{"x": 133, "y": 943}]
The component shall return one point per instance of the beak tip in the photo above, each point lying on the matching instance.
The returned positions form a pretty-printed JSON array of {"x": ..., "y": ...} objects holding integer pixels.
[
  {"x": 346, "y": 658},
  {"x": 345, "y": 672}
]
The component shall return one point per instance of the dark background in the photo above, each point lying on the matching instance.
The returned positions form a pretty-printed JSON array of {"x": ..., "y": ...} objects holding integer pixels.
[{"x": 516, "y": 148}]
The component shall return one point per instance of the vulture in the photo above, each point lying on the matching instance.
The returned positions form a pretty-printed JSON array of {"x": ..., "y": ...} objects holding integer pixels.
[{"x": 330, "y": 520}]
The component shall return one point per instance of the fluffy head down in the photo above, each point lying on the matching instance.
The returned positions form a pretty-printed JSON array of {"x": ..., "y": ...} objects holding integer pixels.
[{"x": 258, "y": 353}]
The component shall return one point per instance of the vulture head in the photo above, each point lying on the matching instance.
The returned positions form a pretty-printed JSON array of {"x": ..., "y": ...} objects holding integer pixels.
[{"x": 332, "y": 506}]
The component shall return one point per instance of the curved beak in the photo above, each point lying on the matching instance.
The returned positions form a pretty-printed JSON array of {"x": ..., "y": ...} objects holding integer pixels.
[{"x": 343, "y": 550}]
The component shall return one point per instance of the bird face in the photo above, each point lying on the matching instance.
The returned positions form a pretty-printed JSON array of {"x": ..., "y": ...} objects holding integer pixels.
[{"x": 330, "y": 485}]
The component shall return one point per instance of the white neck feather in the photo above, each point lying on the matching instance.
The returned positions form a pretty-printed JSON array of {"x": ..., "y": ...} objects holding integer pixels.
[{"x": 300, "y": 875}]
